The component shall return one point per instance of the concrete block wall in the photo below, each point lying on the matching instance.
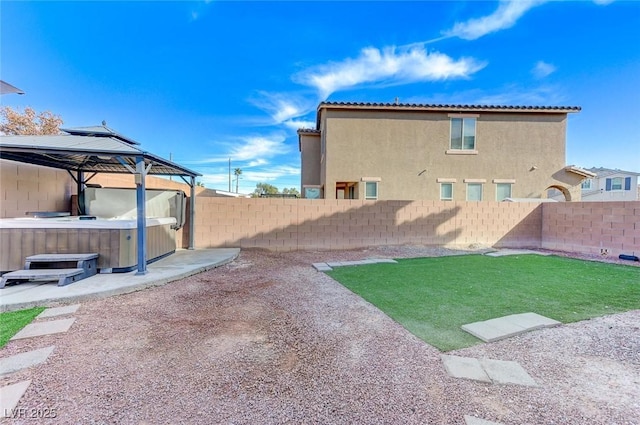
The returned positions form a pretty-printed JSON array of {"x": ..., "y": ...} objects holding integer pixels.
[
  {"x": 294, "y": 224},
  {"x": 26, "y": 188},
  {"x": 606, "y": 228}
]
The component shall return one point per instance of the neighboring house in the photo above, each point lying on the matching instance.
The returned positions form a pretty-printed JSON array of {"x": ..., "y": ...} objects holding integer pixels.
[
  {"x": 610, "y": 185},
  {"x": 437, "y": 152}
]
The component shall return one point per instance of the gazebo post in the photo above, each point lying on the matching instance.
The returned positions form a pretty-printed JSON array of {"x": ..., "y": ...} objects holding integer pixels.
[
  {"x": 140, "y": 179},
  {"x": 192, "y": 212}
]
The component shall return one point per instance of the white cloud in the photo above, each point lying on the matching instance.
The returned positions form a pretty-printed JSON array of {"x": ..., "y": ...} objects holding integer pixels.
[
  {"x": 252, "y": 149},
  {"x": 281, "y": 106},
  {"x": 504, "y": 17},
  {"x": 543, "y": 69},
  {"x": 391, "y": 66},
  {"x": 603, "y": 2}
]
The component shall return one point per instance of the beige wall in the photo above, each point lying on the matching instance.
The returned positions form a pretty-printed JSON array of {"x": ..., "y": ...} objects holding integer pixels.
[
  {"x": 296, "y": 224},
  {"x": 591, "y": 227},
  {"x": 407, "y": 150},
  {"x": 27, "y": 188},
  {"x": 293, "y": 224}
]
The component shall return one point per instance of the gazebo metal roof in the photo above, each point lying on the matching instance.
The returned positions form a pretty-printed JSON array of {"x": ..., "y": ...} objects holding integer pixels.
[{"x": 88, "y": 149}]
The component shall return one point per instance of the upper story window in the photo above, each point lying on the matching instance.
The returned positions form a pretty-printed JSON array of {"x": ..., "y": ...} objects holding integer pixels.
[
  {"x": 371, "y": 190},
  {"x": 586, "y": 185},
  {"x": 463, "y": 133},
  {"x": 618, "y": 183}
]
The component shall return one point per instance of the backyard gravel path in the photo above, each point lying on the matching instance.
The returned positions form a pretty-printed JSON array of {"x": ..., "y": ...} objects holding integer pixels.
[{"x": 269, "y": 340}]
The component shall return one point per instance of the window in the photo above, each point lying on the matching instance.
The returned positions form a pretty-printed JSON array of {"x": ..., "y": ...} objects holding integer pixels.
[
  {"x": 503, "y": 190},
  {"x": 616, "y": 183},
  {"x": 371, "y": 190},
  {"x": 474, "y": 191},
  {"x": 586, "y": 185},
  {"x": 446, "y": 191},
  {"x": 463, "y": 133}
]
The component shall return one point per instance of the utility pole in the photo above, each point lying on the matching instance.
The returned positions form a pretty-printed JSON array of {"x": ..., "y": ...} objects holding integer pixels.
[{"x": 229, "y": 174}]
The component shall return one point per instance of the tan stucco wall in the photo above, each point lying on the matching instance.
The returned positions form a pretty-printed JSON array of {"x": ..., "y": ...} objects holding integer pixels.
[
  {"x": 310, "y": 160},
  {"x": 398, "y": 146}
]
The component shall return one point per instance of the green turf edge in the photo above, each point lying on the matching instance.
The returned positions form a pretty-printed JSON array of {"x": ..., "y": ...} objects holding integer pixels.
[
  {"x": 562, "y": 270},
  {"x": 11, "y": 322}
]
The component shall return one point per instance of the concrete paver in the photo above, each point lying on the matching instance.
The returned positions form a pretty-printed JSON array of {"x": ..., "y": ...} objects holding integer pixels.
[
  {"x": 44, "y": 328},
  {"x": 24, "y": 360},
  {"x": 10, "y": 395},
  {"x": 508, "y": 326},
  {"x": 472, "y": 420},
  {"x": 507, "y": 372},
  {"x": 505, "y": 252},
  {"x": 322, "y": 267},
  {"x": 58, "y": 311},
  {"x": 465, "y": 367}
]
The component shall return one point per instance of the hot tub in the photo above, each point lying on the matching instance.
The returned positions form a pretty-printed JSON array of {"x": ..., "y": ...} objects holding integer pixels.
[{"x": 115, "y": 239}]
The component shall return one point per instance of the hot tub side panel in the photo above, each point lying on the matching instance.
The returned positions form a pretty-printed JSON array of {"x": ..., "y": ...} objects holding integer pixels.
[{"x": 117, "y": 247}]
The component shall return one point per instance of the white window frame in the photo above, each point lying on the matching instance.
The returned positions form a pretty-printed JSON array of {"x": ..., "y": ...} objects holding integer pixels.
[
  {"x": 586, "y": 184},
  {"x": 504, "y": 184},
  {"x": 613, "y": 180},
  {"x": 441, "y": 187},
  {"x": 366, "y": 184},
  {"x": 475, "y": 132},
  {"x": 469, "y": 184}
]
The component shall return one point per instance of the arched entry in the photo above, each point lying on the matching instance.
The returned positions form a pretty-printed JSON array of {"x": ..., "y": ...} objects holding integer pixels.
[{"x": 551, "y": 191}]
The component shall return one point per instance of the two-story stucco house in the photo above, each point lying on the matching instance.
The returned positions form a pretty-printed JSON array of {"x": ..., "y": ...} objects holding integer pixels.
[
  {"x": 437, "y": 152},
  {"x": 610, "y": 185}
]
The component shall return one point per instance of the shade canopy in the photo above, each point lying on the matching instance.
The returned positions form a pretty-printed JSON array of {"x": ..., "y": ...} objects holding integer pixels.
[{"x": 95, "y": 149}]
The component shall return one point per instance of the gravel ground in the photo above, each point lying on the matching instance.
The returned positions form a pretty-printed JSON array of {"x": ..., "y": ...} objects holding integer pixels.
[{"x": 268, "y": 340}]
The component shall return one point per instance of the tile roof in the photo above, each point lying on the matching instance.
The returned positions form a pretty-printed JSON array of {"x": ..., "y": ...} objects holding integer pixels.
[
  {"x": 448, "y": 107},
  {"x": 602, "y": 172}
]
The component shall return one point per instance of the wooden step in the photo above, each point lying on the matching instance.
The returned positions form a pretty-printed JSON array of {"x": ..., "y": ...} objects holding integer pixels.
[{"x": 63, "y": 276}]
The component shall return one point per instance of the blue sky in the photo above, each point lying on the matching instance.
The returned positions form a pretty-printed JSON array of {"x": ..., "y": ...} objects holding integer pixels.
[{"x": 206, "y": 81}]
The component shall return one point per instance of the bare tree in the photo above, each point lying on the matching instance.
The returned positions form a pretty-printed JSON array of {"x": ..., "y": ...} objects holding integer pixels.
[{"x": 14, "y": 122}]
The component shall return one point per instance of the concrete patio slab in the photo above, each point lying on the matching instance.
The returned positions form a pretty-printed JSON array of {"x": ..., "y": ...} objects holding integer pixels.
[
  {"x": 465, "y": 367},
  {"x": 183, "y": 263},
  {"x": 472, "y": 420},
  {"x": 507, "y": 372},
  {"x": 10, "y": 395},
  {"x": 508, "y": 326},
  {"x": 44, "y": 328},
  {"x": 58, "y": 311},
  {"x": 24, "y": 360}
]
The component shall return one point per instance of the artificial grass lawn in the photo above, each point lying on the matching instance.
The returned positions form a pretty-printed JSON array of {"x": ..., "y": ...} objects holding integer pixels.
[
  {"x": 12, "y": 322},
  {"x": 433, "y": 297}
]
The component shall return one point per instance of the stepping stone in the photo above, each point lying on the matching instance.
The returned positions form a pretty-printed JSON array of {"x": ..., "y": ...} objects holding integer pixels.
[
  {"x": 505, "y": 252},
  {"x": 507, "y": 372},
  {"x": 508, "y": 326},
  {"x": 322, "y": 267},
  {"x": 58, "y": 311},
  {"x": 386, "y": 260},
  {"x": 465, "y": 367},
  {"x": 24, "y": 360},
  {"x": 532, "y": 321},
  {"x": 472, "y": 420},
  {"x": 44, "y": 328},
  {"x": 10, "y": 395}
]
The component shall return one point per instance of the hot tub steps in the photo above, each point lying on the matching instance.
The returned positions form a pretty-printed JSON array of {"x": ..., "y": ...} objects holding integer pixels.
[{"x": 55, "y": 267}]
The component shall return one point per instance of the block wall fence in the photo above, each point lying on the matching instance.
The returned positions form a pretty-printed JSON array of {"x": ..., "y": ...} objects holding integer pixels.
[{"x": 320, "y": 224}]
